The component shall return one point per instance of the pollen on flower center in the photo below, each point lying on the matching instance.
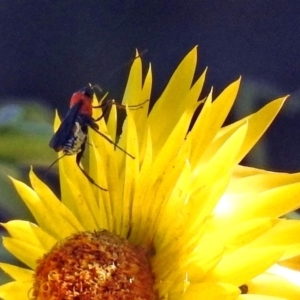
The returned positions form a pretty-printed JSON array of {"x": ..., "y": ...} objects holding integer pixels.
[{"x": 94, "y": 265}]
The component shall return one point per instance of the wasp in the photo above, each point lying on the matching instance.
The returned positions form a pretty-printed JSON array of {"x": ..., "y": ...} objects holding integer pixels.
[{"x": 71, "y": 136}]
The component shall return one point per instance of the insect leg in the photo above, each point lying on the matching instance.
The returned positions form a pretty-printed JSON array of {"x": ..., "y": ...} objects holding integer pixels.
[
  {"x": 90, "y": 179},
  {"x": 109, "y": 103},
  {"x": 105, "y": 106},
  {"x": 55, "y": 162},
  {"x": 134, "y": 106}
]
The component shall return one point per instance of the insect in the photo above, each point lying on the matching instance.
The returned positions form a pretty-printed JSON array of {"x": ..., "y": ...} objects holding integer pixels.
[{"x": 71, "y": 136}]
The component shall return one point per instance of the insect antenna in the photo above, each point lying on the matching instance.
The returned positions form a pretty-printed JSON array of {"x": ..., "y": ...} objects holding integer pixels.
[
  {"x": 97, "y": 87},
  {"x": 116, "y": 70}
]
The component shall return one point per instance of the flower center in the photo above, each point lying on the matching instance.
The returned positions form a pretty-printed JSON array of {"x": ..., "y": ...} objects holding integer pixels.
[{"x": 94, "y": 265}]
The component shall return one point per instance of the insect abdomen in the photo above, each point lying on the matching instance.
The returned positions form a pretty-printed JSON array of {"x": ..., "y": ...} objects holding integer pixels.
[{"x": 74, "y": 143}]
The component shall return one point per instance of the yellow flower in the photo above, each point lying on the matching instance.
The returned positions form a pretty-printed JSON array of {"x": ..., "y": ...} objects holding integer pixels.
[{"x": 212, "y": 228}]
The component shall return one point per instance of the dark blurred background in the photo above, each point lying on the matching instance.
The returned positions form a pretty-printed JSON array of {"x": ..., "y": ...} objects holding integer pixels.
[{"x": 50, "y": 49}]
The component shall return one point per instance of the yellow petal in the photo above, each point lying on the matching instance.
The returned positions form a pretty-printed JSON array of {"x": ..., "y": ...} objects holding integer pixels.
[
  {"x": 134, "y": 84},
  {"x": 201, "y": 204},
  {"x": 46, "y": 240},
  {"x": 159, "y": 192},
  {"x": 211, "y": 179},
  {"x": 22, "y": 231},
  {"x": 259, "y": 297},
  {"x": 80, "y": 208},
  {"x": 221, "y": 106},
  {"x": 198, "y": 134},
  {"x": 17, "y": 273},
  {"x": 138, "y": 205},
  {"x": 146, "y": 92},
  {"x": 273, "y": 285},
  {"x": 173, "y": 143},
  {"x": 112, "y": 123},
  {"x": 258, "y": 124},
  {"x": 140, "y": 115},
  {"x": 25, "y": 252},
  {"x": 211, "y": 291},
  {"x": 137, "y": 94},
  {"x": 202, "y": 259},
  {"x": 105, "y": 158},
  {"x": 30, "y": 233},
  {"x": 100, "y": 202},
  {"x": 128, "y": 175},
  {"x": 284, "y": 233},
  {"x": 244, "y": 171},
  {"x": 222, "y": 160},
  {"x": 45, "y": 215},
  {"x": 234, "y": 237},
  {"x": 77, "y": 192},
  {"x": 57, "y": 121},
  {"x": 261, "y": 182},
  {"x": 173, "y": 210},
  {"x": 65, "y": 221},
  {"x": 70, "y": 172},
  {"x": 242, "y": 265},
  {"x": 292, "y": 263},
  {"x": 150, "y": 183},
  {"x": 215, "y": 116},
  {"x": 258, "y": 205},
  {"x": 168, "y": 109},
  {"x": 291, "y": 275},
  {"x": 16, "y": 290},
  {"x": 146, "y": 152}
]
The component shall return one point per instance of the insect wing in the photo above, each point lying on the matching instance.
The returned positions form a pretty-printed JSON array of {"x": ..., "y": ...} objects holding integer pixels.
[{"x": 65, "y": 129}]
